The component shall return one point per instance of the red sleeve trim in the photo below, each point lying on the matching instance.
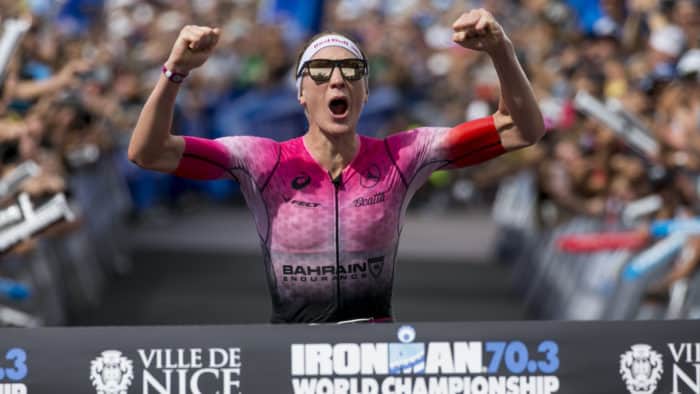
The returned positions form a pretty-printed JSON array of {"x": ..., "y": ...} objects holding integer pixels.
[{"x": 473, "y": 142}]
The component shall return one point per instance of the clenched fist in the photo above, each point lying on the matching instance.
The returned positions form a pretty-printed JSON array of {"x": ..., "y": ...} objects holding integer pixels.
[
  {"x": 478, "y": 30},
  {"x": 192, "y": 47}
]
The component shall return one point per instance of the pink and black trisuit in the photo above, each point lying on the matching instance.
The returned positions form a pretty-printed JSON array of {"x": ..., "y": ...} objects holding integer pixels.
[{"x": 329, "y": 245}]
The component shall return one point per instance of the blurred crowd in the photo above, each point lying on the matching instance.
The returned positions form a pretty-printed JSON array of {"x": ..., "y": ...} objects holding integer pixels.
[{"x": 75, "y": 85}]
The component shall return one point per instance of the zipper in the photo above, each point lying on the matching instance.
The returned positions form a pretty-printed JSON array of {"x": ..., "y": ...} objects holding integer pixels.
[{"x": 336, "y": 184}]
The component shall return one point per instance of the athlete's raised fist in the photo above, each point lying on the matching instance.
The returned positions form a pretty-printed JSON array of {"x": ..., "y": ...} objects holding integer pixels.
[
  {"x": 478, "y": 30},
  {"x": 192, "y": 47}
]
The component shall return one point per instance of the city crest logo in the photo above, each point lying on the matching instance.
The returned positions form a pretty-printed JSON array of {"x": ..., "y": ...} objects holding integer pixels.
[
  {"x": 111, "y": 373},
  {"x": 641, "y": 368}
]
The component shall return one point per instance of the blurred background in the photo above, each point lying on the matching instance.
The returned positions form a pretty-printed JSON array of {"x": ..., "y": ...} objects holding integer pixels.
[{"x": 597, "y": 221}]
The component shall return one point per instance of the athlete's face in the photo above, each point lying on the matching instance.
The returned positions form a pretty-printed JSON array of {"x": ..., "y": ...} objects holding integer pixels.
[{"x": 333, "y": 106}]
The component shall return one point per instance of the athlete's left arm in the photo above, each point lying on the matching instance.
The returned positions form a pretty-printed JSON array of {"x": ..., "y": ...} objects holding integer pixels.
[{"x": 518, "y": 119}]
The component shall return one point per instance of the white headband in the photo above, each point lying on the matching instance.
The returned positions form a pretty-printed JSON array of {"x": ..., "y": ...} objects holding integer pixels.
[{"x": 331, "y": 40}]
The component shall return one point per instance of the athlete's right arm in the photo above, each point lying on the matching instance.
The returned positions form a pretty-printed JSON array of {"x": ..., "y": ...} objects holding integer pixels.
[{"x": 152, "y": 146}]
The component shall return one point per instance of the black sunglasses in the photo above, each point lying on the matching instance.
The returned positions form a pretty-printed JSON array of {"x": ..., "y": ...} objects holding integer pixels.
[{"x": 320, "y": 70}]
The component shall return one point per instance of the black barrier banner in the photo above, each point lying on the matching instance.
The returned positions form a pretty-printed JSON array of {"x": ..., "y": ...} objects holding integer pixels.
[{"x": 410, "y": 358}]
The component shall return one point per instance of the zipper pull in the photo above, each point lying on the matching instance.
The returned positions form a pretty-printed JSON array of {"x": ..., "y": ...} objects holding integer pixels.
[{"x": 337, "y": 181}]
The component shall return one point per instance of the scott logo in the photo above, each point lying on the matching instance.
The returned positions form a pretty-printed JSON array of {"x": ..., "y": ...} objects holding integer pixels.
[
  {"x": 301, "y": 181},
  {"x": 365, "y": 201}
]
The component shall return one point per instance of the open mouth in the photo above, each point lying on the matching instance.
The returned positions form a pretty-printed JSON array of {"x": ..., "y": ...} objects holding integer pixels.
[{"x": 339, "y": 106}]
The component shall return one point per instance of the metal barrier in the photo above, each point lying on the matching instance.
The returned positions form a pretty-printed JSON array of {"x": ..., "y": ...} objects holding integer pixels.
[
  {"x": 64, "y": 271},
  {"x": 607, "y": 285}
]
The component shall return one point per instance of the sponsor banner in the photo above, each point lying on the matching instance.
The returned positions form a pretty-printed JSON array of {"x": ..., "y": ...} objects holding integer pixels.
[
  {"x": 155, "y": 360},
  {"x": 450, "y": 358},
  {"x": 13, "y": 371},
  {"x": 168, "y": 370},
  {"x": 405, "y": 366}
]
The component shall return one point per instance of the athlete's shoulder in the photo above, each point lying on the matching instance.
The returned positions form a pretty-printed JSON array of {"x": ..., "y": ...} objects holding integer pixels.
[
  {"x": 292, "y": 143},
  {"x": 250, "y": 151},
  {"x": 247, "y": 140},
  {"x": 247, "y": 145},
  {"x": 411, "y": 137},
  {"x": 414, "y": 132}
]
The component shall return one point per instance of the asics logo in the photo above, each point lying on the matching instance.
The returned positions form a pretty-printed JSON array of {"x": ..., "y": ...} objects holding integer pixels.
[{"x": 301, "y": 181}]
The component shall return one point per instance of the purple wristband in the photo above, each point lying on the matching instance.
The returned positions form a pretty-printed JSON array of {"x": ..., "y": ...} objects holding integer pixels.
[{"x": 173, "y": 76}]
